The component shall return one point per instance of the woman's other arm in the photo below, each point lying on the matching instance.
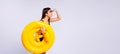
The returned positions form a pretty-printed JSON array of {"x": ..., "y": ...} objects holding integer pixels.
[{"x": 57, "y": 18}]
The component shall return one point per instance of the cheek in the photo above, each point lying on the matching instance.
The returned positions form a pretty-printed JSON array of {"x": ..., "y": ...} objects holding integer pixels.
[{"x": 50, "y": 14}]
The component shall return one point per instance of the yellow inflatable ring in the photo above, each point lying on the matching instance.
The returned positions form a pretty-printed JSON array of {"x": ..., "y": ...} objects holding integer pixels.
[{"x": 35, "y": 42}]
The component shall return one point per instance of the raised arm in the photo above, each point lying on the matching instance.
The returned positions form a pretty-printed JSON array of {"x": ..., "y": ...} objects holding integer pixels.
[{"x": 57, "y": 18}]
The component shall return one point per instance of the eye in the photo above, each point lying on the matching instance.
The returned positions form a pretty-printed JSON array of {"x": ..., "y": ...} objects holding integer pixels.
[{"x": 51, "y": 10}]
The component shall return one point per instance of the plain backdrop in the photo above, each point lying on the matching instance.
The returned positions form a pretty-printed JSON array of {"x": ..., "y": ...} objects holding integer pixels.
[{"x": 87, "y": 26}]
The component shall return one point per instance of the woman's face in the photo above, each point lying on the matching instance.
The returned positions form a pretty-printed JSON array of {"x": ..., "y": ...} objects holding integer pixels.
[{"x": 49, "y": 13}]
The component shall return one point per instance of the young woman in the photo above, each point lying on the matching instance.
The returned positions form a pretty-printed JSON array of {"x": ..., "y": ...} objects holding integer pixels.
[{"x": 47, "y": 17}]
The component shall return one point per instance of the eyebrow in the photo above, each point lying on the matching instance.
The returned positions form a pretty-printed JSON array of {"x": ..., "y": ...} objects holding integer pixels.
[{"x": 51, "y": 10}]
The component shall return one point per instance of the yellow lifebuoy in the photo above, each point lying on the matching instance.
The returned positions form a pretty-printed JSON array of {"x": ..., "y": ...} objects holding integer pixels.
[{"x": 35, "y": 42}]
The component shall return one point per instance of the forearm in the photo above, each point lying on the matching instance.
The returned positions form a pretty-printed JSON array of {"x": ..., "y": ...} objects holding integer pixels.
[{"x": 58, "y": 15}]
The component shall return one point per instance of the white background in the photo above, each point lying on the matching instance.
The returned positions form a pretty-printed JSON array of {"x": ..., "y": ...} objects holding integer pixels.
[{"x": 87, "y": 26}]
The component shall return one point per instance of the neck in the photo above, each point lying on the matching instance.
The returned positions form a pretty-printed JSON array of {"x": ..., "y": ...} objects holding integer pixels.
[{"x": 46, "y": 18}]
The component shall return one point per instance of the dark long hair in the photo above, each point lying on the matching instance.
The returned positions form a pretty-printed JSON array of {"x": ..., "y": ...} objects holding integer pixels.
[{"x": 45, "y": 10}]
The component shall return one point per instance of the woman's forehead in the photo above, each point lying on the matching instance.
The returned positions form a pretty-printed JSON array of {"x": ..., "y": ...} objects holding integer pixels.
[{"x": 50, "y": 10}]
